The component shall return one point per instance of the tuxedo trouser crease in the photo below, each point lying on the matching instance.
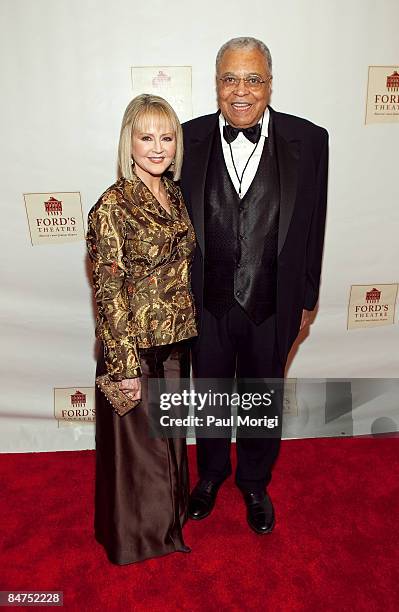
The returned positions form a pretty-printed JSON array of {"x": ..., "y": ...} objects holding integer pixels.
[
  {"x": 228, "y": 347},
  {"x": 141, "y": 484}
]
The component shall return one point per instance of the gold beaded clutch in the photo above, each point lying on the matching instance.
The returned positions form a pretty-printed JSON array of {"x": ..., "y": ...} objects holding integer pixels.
[{"x": 117, "y": 398}]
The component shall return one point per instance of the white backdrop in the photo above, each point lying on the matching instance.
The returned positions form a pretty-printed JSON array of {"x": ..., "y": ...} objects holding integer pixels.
[{"x": 65, "y": 77}]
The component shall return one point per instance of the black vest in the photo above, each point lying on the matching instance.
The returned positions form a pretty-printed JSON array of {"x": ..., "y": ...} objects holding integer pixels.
[{"x": 241, "y": 237}]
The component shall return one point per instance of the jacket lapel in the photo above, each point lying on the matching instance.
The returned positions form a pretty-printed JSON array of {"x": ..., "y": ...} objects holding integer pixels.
[
  {"x": 288, "y": 154},
  {"x": 198, "y": 151}
]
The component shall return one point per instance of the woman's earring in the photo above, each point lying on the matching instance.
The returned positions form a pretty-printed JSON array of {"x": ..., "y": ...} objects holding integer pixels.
[
  {"x": 172, "y": 163},
  {"x": 132, "y": 161}
]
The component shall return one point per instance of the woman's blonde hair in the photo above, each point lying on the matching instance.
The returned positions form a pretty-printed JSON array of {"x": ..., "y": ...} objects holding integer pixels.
[{"x": 137, "y": 113}]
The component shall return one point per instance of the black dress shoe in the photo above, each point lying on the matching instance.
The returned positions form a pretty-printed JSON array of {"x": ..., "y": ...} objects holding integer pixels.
[
  {"x": 202, "y": 499},
  {"x": 184, "y": 549},
  {"x": 260, "y": 511}
]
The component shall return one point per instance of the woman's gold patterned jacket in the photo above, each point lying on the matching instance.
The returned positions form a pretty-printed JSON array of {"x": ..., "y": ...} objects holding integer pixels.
[{"x": 141, "y": 258}]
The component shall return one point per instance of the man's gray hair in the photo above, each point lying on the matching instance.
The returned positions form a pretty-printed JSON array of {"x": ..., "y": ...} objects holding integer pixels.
[{"x": 244, "y": 42}]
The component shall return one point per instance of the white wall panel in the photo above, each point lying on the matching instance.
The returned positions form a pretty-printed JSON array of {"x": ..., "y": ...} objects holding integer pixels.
[{"x": 65, "y": 81}]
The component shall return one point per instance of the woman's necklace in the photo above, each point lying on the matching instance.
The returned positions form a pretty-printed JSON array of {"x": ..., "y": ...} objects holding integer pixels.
[{"x": 163, "y": 198}]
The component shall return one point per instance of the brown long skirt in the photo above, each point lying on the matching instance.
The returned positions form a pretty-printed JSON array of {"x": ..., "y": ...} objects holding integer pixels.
[{"x": 141, "y": 488}]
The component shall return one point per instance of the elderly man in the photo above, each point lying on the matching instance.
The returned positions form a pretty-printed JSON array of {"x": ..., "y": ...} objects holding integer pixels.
[{"x": 255, "y": 184}]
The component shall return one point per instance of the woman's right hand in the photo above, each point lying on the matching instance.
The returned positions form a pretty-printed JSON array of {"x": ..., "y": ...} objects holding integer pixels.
[{"x": 131, "y": 387}]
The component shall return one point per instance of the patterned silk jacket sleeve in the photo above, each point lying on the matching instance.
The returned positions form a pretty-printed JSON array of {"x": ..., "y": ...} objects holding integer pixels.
[{"x": 141, "y": 258}]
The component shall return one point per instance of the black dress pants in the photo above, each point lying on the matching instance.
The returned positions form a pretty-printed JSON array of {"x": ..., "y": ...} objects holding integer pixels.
[{"x": 228, "y": 347}]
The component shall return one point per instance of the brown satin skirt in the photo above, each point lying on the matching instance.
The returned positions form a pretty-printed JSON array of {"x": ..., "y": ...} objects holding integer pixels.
[{"x": 141, "y": 488}]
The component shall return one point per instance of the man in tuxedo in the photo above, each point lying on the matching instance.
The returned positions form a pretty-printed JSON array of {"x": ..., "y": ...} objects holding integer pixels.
[{"x": 255, "y": 184}]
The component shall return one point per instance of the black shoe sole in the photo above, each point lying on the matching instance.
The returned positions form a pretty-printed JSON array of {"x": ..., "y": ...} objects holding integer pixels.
[
  {"x": 199, "y": 518},
  {"x": 262, "y": 532},
  {"x": 185, "y": 549}
]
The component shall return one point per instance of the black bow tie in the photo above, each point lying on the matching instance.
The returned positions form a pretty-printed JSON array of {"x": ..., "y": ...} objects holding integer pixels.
[{"x": 230, "y": 133}]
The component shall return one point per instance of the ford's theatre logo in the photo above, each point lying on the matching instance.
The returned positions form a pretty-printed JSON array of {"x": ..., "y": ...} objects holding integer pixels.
[
  {"x": 382, "y": 94},
  {"x": 55, "y": 222},
  {"x": 162, "y": 80},
  {"x": 74, "y": 404},
  {"x": 371, "y": 309},
  {"x": 54, "y": 218},
  {"x": 393, "y": 81},
  {"x": 373, "y": 296},
  {"x": 389, "y": 101},
  {"x": 78, "y": 399},
  {"x": 372, "y": 305},
  {"x": 53, "y": 206},
  {"x": 170, "y": 82}
]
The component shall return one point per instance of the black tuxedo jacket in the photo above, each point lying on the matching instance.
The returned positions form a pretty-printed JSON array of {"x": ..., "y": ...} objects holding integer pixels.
[{"x": 302, "y": 157}]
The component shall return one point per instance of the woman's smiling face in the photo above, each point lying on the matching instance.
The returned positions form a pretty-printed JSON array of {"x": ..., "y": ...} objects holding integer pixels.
[{"x": 153, "y": 147}]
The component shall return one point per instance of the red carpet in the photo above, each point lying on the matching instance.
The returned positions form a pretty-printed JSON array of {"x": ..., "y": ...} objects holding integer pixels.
[{"x": 335, "y": 545}]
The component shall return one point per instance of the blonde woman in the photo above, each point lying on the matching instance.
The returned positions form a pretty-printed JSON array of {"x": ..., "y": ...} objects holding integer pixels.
[{"x": 141, "y": 244}]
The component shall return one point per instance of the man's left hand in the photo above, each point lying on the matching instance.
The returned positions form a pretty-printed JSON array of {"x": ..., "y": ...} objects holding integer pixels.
[{"x": 305, "y": 321}]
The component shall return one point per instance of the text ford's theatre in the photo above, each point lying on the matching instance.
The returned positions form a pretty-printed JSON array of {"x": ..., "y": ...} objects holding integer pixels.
[{"x": 54, "y": 218}]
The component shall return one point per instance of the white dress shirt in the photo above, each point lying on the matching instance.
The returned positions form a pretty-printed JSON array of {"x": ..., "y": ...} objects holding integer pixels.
[{"x": 241, "y": 148}]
